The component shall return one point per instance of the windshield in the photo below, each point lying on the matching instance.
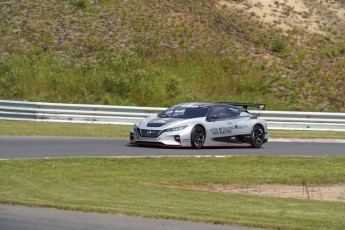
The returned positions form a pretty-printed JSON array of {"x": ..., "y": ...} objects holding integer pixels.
[{"x": 185, "y": 112}]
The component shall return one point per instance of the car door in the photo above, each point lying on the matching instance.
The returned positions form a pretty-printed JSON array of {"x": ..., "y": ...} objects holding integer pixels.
[{"x": 221, "y": 122}]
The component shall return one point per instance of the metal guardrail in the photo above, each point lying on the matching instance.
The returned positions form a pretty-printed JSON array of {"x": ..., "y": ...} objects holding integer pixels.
[
  {"x": 319, "y": 121},
  {"x": 74, "y": 113},
  {"x": 127, "y": 115}
]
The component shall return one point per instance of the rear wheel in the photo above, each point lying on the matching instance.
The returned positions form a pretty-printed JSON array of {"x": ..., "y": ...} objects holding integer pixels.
[
  {"x": 198, "y": 137},
  {"x": 257, "y": 136}
]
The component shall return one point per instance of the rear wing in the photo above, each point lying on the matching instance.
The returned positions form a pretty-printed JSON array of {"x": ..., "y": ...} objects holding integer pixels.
[{"x": 245, "y": 105}]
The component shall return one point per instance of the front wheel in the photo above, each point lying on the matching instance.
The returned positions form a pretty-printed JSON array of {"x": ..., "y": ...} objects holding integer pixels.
[
  {"x": 257, "y": 136},
  {"x": 198, "y": 137}
]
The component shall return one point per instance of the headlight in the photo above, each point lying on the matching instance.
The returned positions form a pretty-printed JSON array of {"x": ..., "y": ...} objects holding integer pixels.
[
  {"x": 135, "y": 127},
  {"x": 176, "y": 128}
]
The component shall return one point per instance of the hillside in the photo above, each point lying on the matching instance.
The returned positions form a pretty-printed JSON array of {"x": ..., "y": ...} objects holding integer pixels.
[{"x": 289, "y": 54}]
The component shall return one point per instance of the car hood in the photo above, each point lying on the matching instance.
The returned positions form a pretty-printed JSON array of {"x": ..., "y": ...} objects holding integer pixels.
[{"x": 155, "y": 122}]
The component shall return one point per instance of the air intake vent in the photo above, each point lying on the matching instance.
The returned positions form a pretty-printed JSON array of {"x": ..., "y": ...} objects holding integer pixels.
[{"x": 149, "y": 133}]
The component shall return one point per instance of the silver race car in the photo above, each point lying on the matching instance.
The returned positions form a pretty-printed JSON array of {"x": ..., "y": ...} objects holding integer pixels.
[{"x": 200, "y": 125}]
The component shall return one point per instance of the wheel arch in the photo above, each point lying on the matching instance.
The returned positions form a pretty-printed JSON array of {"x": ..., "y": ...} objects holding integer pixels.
[
  {"x": 202, "y": 126},
  {"x": 259, "y": 124},
  {"x": 253, "y": 139},
  {"x": 204, "y": 131}
]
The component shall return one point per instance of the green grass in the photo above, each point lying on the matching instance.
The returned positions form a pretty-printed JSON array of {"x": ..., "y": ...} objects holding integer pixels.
[
  {"x": 306, "y": 134},
  {"x": 149, "y": 187},
  {"x": 159, "y": 53},
  {"x": 27, "y": 128}
]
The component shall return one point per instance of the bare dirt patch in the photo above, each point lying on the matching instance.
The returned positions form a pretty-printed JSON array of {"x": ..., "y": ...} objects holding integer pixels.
[
  {"x": 309, "y": 15},
  {"x": 312, "y": 192}
]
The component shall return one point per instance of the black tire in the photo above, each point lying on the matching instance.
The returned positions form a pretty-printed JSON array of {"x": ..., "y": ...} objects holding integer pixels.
[
  {"x": 198, "y": 137},
  {"x": 257, "y": 136}
]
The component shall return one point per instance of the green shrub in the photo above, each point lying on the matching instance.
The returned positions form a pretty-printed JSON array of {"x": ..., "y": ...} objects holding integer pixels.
[
  {"x": 81, "y": 4},
  {"x": 279, "y": 45}
]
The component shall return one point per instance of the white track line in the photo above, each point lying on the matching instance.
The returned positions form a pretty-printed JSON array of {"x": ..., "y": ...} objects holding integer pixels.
[{"x": 306, "y": 140}]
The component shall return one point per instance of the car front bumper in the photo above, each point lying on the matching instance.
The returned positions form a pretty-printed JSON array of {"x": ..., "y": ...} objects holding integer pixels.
[{"x": 176, "y": 138}]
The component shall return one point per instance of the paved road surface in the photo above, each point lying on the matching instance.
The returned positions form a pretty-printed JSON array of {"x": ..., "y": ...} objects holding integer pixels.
[
  {"x": 36, "y": 147},
  {"x": 25, "y": 218}
]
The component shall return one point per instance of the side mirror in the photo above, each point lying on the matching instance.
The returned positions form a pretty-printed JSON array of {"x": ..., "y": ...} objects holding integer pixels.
[{"x": 212, "y": 118}]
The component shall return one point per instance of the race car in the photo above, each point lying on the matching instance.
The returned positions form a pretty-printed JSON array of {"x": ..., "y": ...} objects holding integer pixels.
[{"x": 197, "y": 125}]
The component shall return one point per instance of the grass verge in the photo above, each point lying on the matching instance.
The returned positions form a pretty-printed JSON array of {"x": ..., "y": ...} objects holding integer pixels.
[
  {"x": 27, "y": 128},
  {"x": 306, "y": 134},
  {"x": 149, "y": 187}
]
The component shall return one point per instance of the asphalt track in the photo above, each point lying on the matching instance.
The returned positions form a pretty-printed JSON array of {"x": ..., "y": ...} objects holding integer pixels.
[
  {"x": 26, "y": 218},
  {"x": 18, "y": 218},
  {"x": 46, "y": 147}
]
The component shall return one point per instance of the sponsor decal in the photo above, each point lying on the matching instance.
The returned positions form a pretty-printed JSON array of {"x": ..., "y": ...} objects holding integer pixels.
[
  {"x": 226, "y": 130},
  {"x": 241, "y": 126},
  {"x": 221, "y": 130}
]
